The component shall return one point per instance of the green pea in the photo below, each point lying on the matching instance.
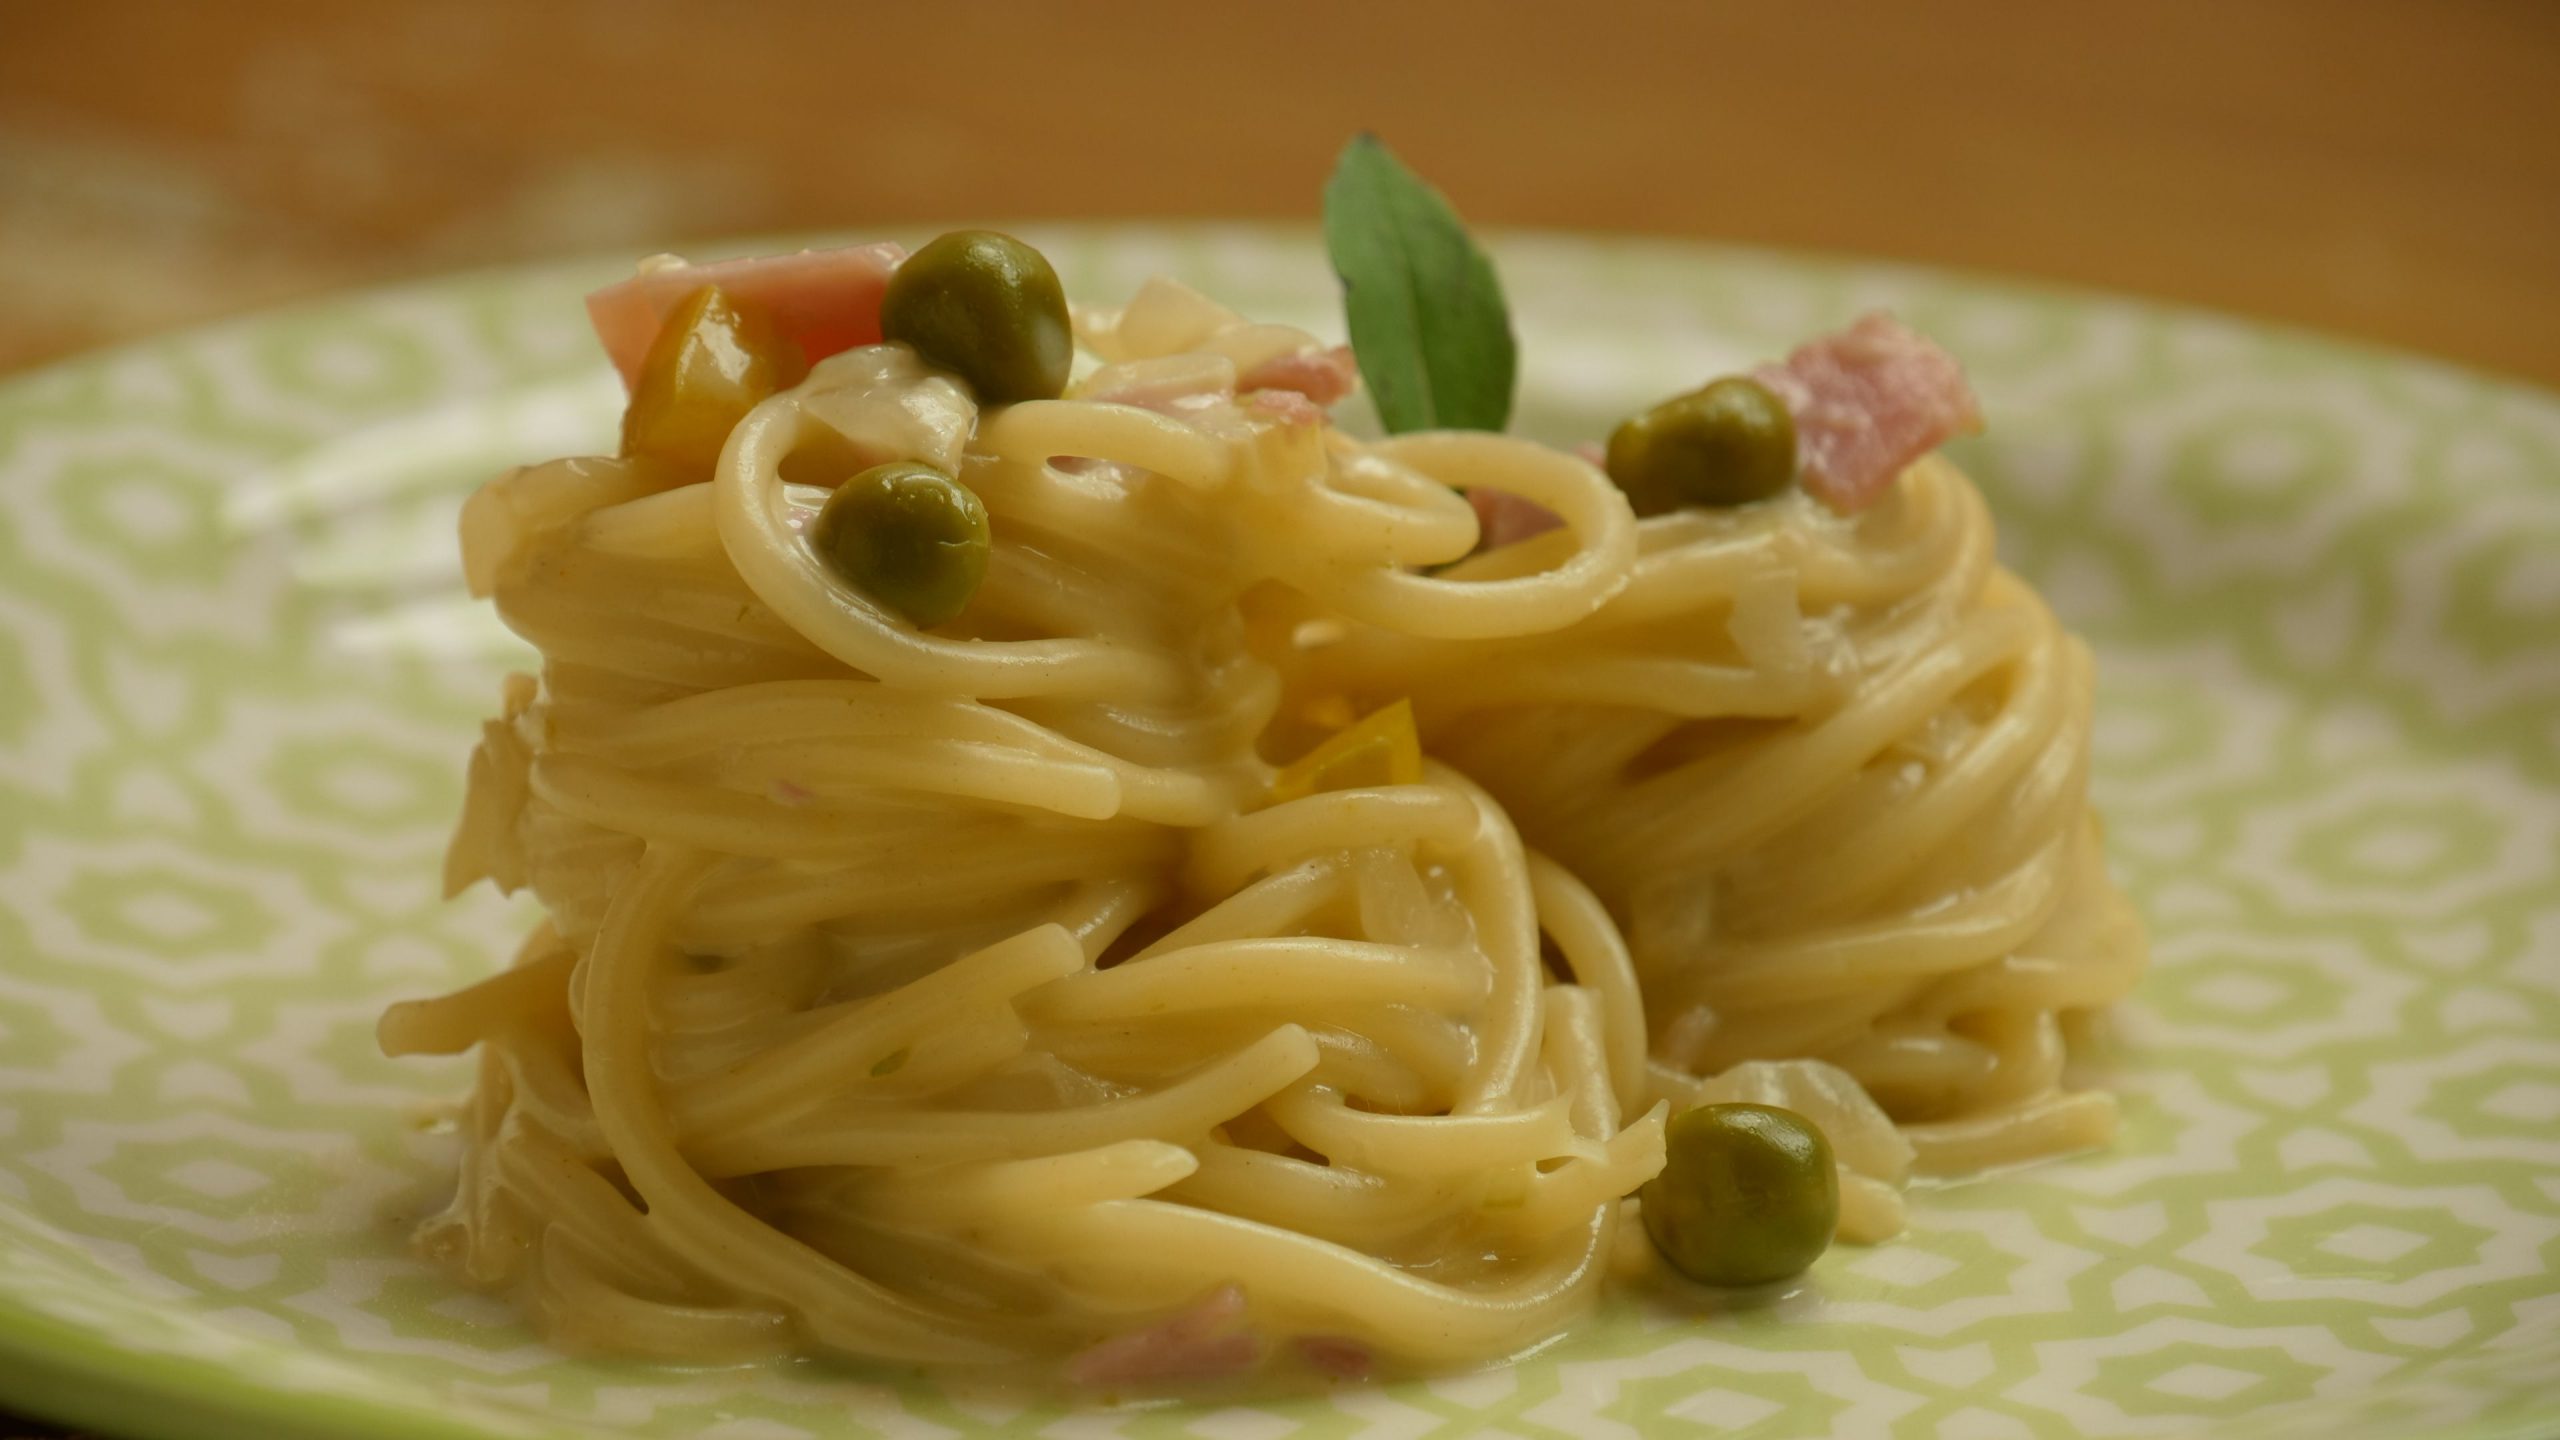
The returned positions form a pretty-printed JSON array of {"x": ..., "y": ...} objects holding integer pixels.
[
  {"x": 1747, "y": 1195},
  {"x": 1728, "y": 444},
  {"x": 908, "y": 536},
  {"x": 987, "y": 308}
]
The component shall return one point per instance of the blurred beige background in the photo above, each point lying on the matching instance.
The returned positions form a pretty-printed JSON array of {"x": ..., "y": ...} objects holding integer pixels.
[{"x": 2384, "y": 170}]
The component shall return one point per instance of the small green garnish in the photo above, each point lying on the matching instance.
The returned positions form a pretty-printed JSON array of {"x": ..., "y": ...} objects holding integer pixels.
[
  {"x": 1428, "y": 323},
  {"x": 889, "y": 1064}
]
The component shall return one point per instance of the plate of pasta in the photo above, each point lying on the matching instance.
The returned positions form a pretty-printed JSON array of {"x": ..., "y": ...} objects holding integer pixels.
[{"x": 1021, "y": 839}]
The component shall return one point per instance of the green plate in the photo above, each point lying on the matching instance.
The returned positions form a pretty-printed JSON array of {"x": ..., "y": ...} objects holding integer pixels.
[{"x": 237, "y": 681}]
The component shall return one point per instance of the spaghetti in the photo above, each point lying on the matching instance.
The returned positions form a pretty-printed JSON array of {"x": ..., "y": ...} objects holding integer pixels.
[{"x": 964, "y": 994}]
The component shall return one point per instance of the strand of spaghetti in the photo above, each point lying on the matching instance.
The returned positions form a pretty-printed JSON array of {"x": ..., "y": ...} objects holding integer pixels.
[
  {"x": 1598, "y": 958},
  {"x": 451, "y": 1024},
  {"x": 756, "y": 528},
  {"x": 1944, "y": 544},
  {"x": 1400, "y": 1058},
  {"x": 1893, "y": 948},
  {"x": 798, "y": 827},
  {"x": 1169, "y": 545},
  {"x": 2048, "y": 1125},
  {"x": 860, "y": 1034},
  {"x": 1377, "y": 1077},
  {"x": 504, "y": 521},
  {"x": 1592, "y": 509},
  {"x": 560, "y": 1184},
  {"x": 1574, "y": 1054},
  {"x": 2026, "y": 1050},
  {"x": 1098, "y": 912},
  {"x": 1272, "y": 905},
  {"x": 1372, "y": 506},
  {"x": 1425, "y": 1144},
  {"x": 584, "y": 590},
  {"x": 968, "y": 770},
  {"x": 965, "y": 1047},
  {"x": 1867, "y": 855},
  {"x": 1225, "y": 855},
  {"x": 787, "y": 715},
  {"x": 1317, "y": 972},
  {"x": 1492, "y": 882},
  {"x": 2085, "y": 972},
  {"x": 1167, "y": 1251},
  {"x": 1920, "y": 1071},
  {"x": 1794, "y": 771},
  {"x": 965, "y": 1272},
  {"x": 778, "y": 712},
  {"x": 575, "y": 1285},
  {"x": 996, "y": 1191},
  {"x": 1675, "y": 687},
  {"x": 1331, "y": 1202},
  {"x": 1554, "y": 1199},
  {"x": 835, "y": 1305},
  {"x": 668, "y": 530},
  {"x": 546, "y": 1092},
  {"x": 757, "y": 992},
  {"x": 632, "y": 641},
  {"x": 1187, "y": 1108},
  {"x": 886, "y": 890},
  {"x": 1038, "y": 429}
]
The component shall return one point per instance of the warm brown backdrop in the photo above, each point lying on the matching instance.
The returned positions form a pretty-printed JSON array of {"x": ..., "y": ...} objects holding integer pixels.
[{"x": 2389, "y": 170}]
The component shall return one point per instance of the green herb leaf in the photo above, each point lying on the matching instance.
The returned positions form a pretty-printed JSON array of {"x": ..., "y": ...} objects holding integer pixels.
[{"x": 1427, "y": 318}]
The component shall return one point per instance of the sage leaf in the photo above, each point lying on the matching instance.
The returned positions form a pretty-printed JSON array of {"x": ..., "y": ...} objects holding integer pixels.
[{"x": 1428, "y": 323}]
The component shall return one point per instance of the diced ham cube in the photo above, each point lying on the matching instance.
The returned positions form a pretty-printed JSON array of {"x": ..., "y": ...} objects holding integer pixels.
[
  {"x": 1338, "y": 1356},
  {"x": 1867, "y": 401},
  {"x": 1209, "y": 1341},
  {"x": 1289, "y": 407},
  {"x": 1502, "y": 518},
  {"x": 1322, "y": 375},
  {"x": 827, "y": 300}
]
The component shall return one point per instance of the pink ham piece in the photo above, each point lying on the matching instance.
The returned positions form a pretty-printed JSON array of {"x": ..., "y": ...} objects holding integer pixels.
[
  {"x": 1867, "y": 401},
  {"x": 1503, "y": 518},
  {"x": 1289, "y": 407},
  {"x": 1322, "y": 375},
  {"x": 1209, "y": 1341},
  {"x": 827, "y": 300},
  {"x": 1337, "y": 1356}
]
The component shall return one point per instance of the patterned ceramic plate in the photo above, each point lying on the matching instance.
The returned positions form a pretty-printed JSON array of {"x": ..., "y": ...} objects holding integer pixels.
[{"x": 237, "y": 680}]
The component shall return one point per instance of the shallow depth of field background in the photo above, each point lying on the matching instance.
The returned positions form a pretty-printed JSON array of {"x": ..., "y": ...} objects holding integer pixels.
[{"x": 2387, "y": 169}]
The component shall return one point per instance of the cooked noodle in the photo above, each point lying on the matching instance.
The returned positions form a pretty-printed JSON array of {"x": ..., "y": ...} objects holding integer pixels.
[{"x": 956, "y": 995}]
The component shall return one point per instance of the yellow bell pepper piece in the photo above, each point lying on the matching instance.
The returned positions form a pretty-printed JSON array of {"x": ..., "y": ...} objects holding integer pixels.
[
  {"x": 709, "y": 366},
  {"x": 1382, "y": 749}
]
